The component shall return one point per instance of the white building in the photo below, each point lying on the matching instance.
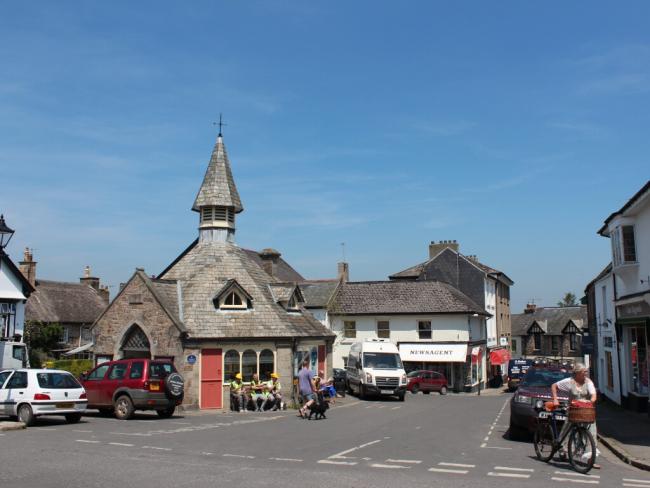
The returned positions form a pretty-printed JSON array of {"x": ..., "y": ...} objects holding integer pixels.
[{"x": 622, "y": 305}]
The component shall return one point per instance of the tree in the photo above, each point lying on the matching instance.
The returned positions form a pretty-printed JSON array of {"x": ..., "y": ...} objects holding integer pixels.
[
  {"x": 568, "y": 300},
  {"x": 41, "y": 338}
]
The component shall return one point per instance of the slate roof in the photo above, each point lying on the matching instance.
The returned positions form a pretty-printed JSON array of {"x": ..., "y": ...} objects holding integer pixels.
[
  {"x": 218, "y": 187},
  {"x": 283, "y": 271},
  {"x": 205, "y": 268},
  {"x": 318, "y": 293},
  {"x": 400, "y": 297},
  {"x": 552, "y": 320},
  {"x": 57, "y": 301}
]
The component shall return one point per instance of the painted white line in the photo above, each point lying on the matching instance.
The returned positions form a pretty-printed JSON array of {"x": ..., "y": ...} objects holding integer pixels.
[
  {"x": 506, "y": 468},
  {"x": 636, "y": 481},
  {"x": 87, "y": 442},
  {"x": 347, "y": 451},
  {"x": 573, "y": 480},
  {"x": 486, "y": 439},
  {"x": 120, "y": 444},
  {"x": 389, "y": 466},
  {"x": 207, "y": 453},
  {"x": 404, "y": 461},
  {"x": 238, "y": 456},
  {"x": 157, "y": 448},
  {"x": 451, "y": 471},
  {"x": 290, "y": 460},
  {"x": 496, "y": 447},
  {"x": 329, "y": 461},
  {"x": 484, "y": 444},
  {"x": 633, "y": 485},
  {"x": 84, "y": 431},
  {"x": 396, "y": 408},
  {"x": 457, "y": 465},
  {"x": 509, "y": 475},
  {"x": 569, "y": 473}
]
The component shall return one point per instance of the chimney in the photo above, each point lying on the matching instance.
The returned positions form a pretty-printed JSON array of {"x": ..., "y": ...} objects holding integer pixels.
[
  {"x": 343, "y": 272},
  {"x": 436, "y": 248},
  {"x": 89, "y": 280},
  {"x": 28, "y": 267},
  {"x": 122, "y": 285},
  {"x": 472, "y": 257},
  {"x": 530, "y": 308},
  {"x": 104, "y": 293},
  {"x": 270, "y": 258}
]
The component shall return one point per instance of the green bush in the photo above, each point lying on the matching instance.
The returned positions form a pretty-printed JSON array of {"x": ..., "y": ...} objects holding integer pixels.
[{"x": 74, "y": 366}]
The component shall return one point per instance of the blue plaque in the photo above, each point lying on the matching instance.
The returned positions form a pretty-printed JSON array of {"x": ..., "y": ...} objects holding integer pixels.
[{"x": 191, "y": 359}]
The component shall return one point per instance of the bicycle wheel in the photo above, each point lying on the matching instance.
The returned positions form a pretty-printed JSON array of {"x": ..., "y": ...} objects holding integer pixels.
[
  {"x": 543, "y": 441},
  {"x": 582, "y": 449}
]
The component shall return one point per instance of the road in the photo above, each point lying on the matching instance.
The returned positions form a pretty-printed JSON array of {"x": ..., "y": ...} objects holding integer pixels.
[{"x": 447, "y": 441}]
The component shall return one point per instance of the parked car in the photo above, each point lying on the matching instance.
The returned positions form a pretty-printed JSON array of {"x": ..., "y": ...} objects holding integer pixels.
[
  {"x": 426, "y": 382},
  {"x": 124, "y": 386},
  {"x": 31, "y": 393},
  {"x": 340, "y": 377},
  {"x": 533, "y": 391}
]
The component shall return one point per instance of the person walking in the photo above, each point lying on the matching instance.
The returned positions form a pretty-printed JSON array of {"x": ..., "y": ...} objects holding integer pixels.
[{"x": 307, "y": 387}]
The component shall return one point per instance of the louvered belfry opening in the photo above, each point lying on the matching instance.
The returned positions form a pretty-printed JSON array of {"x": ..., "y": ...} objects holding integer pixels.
[{"x": 136, "y": 344}]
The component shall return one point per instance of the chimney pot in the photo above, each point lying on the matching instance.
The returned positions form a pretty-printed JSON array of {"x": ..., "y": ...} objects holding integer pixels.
[
  {"x": 28, "y": 266},
  {"x": 435, "y": 249},
  {"x": 530, "y": 308},
  {"x": 343, "y": 272},
  {"x": 270, "y": 258}
]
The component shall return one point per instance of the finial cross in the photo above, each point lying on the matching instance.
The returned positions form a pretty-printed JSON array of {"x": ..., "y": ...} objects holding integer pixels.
[{"x": 220, "y": 123}]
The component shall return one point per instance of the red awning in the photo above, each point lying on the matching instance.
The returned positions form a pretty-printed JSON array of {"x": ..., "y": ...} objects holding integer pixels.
[{"x": 499, "y": 356}]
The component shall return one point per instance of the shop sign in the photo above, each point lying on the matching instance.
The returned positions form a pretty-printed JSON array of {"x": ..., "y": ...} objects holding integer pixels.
[
  {"x": 434, "y": 353},
  {"x": 633, "y": 310},
  {"x": 503, "y": 341}
]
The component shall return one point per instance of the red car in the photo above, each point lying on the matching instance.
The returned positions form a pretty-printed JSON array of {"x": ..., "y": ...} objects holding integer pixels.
[
  {"x": 124, "y": 386},
  {"x": 426, "y": 382}
]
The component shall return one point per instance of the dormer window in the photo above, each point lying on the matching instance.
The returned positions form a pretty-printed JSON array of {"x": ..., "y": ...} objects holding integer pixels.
[
  {"x": 623, "y": 245},
  {"x": 232, "y": 297},
  {"x": 292, "y": 305},
  {"x": 233, "y": 300}
]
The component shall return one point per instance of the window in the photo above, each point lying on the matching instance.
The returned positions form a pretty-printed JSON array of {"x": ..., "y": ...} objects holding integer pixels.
[
  {"x": 160, "y": 370},
  {"x": 513, "y": 346},
  {"x": 267, "y": 364},
  {"x": 7, "y": 318},
  {"x": 137, "y": 368},
  {"x": 65, "y": 335},
  {"x": 555, "y": 343},
  {"x": 629, "y": 249},
  {"x": 18, "y": 353},
  {"x": 18, "y": 380},
  {"x": 608, "y": 342},
  {"x": 118, "y": 371},
  {"x": 57, "y": 381},
  {"x": 233, "y": 300},
  {"x": 610, "y": 370},
  {"x": 135, "y": 298},
  {"x": 537, "y": 342},
  {"x": 292, "y": 305},
  {"x": 230, "y": 365},
  {"x": 573, "y": 341},
  {"x": 639, "y": 360},
  {"x": 603, "y": 294},
  {"x": 3, "y": 377},
  {"x": 349, "y": 329},
  {"x": 98, "y": 373},
  {"x": 424, "y": 329},
  {"x": 249, "y": 364},
  {"x": 383, "y": 329}
]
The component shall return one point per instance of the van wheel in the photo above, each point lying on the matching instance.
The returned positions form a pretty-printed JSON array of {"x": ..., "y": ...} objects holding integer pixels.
[
  {"x": 401, "y": 397},
  {"x": 26, "y": 415},
  {"x": 123, "y": 408},
  {"x": 72, "y": 418},
  {"x": 362, "y": 392},
  {"x": 443, "y": 390}
]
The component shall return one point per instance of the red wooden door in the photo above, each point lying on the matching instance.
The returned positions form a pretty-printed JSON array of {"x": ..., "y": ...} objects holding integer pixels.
[
  {"x": 321, "y": 361},
  {"x": 211, "y": 378}
]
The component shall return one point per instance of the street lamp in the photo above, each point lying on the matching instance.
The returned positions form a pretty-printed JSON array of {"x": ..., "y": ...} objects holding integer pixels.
[{"x": 6, "y": 233}]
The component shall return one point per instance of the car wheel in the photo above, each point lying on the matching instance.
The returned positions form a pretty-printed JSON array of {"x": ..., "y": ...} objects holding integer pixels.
[
  {"x": 516, "y": 433},
  {"x": 401, "y": 397},
  {"x": 123, "y": 408},
  {"x": 167, "y": 412},
  {"x": 443, "y": 390},
  {"x": 26, "y": 415},
  {"x": 72, "y": 418},
  {"x": 415, "y": 389}
]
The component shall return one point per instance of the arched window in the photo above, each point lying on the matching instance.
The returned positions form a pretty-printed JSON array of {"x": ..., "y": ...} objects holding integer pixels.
[
  {"x": 267, "y": 364},
  {"x": 233, "y": 300},
  {"x": 249, "y": 364},
  {"x": 230, "y": 365},
  {"x": 135, "y": 344}
]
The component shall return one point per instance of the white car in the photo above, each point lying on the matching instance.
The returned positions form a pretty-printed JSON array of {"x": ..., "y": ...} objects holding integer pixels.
[{"x": 30, "y": 393}]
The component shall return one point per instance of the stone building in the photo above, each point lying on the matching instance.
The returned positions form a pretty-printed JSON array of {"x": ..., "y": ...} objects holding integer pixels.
[{"x": 217, "y": 309}]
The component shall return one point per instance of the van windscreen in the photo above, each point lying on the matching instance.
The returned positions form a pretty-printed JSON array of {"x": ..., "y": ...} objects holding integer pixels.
[{"x": 381, "y": 360}]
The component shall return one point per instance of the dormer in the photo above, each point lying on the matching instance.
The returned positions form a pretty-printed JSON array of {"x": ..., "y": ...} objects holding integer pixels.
[
  {"x": 288, "y": 296},
  {"x": 232, "y": 297}
]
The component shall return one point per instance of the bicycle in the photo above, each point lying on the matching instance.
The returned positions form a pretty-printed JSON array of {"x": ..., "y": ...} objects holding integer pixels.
[{"x": 547, "y": 440}]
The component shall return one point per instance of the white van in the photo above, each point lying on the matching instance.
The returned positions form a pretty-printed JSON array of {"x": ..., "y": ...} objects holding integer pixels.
[{"x": 375, "y": 368}]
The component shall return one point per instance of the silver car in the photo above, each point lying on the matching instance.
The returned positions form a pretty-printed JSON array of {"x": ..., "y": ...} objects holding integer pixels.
[{"x": 30, "y": 393}]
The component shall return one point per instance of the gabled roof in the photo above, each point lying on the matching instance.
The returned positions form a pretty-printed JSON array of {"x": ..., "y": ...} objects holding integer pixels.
[
  {"x": 553, "y": 320},
  {"x": 229, "y": 286},
  {"x": 58, "y": 301},
  {"x": 606, "y": 270},
  {"x": 318, "y": 293},
  {"x": 635, "y": 198},
  {"x": 282, "y": 292},
  {"x": 218, "y": 187},
  {"x": 401, "y": 297},
  {"x": 27, "y": 287}
]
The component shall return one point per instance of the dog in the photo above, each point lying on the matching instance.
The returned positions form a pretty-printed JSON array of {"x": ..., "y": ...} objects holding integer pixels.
[{"x": 319, "y": 407}]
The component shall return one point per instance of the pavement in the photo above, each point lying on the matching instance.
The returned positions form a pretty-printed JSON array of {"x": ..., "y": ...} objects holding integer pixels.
[
  {"x": 453, "y": 441},
  {"x": 625, "y": 433},
  {"x": 8, "y": 425}
]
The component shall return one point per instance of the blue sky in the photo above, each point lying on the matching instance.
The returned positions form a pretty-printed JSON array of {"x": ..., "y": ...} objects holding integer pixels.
[{"x": 512, "y": 127}]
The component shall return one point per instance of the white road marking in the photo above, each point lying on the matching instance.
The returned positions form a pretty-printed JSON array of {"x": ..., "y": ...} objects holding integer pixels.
[
  {"x": 238, "y": 456},
  {"x": 207, "y": 453},
  {"x": 329, "y": 461},
  {"x": 633, "y": 485},
  {"x": 573, "y": 480},
  {"x": 495, "y": 447},
  {"x": 506, "y": 468},
  {"x": 84, "y": 431},
  {"x": 396, "y": 408},
  {"x": 120, "y": 444},
  {"x": 389, "y": 466},
  {"x": 484, "y": 444},
  {"x": 404, "y": 461},
  {"x": 509, "y": 475},
  {"x": 569, "y": 473},
  {"x": 290, "y": 460},
  {"x": 87, "y": 442},
  {"x": 451, "y": 471},
  {"x": 348, "y": 451},
  {"x": 457, "y": 465},
  {"x": 636, "y": 481},
  {"x": 157, "y": 448},
  {"x": 487, "y": 438}
]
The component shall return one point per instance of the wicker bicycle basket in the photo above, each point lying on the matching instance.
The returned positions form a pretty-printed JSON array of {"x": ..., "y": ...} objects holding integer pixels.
[{"x": 582, "y": 415}]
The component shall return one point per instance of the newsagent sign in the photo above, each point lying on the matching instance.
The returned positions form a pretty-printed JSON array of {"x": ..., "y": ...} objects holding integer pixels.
[{"x": 434, "y": 353}]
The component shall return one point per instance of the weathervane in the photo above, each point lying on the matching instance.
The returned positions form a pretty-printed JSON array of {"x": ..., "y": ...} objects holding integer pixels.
[{"x": 220, "y": 123}]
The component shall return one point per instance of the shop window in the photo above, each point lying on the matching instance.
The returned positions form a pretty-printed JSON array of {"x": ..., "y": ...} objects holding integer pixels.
[
  {"x": 266, "y": 364},
  {"x": 639, "y": 360},
  {"x": 424, "y": 329},
  {"x": 248, "y": 364},
  {"x": 349, "y": 329},
  {"x": 383, "y": 329},
  {"x": 230, "y": 365}
]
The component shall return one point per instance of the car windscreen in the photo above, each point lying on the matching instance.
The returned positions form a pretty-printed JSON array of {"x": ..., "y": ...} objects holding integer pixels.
[
  {"x": 381, "y": 360},
  {"x": 56, "y": 381},
  {"x": 413, "y": 374},
  {"x": 160, "y": 370},
  {"x": 536, "y": 377}
]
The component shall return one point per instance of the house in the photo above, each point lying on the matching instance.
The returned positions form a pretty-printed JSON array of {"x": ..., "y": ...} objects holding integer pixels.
[
  {"x": 73, "y": 306},
  {"x": 623, "y": 301},
  {"x": 217, "y": 309},
  {"x": 15, "y": 289},
  {"x": 434, "y": 325},
  {"x": 486, "y": 286},
  {"x": 551, "y": 332}
]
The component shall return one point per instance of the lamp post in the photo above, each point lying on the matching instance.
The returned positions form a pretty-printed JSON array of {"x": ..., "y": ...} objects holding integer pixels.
[{"x": 6, "y": 234}]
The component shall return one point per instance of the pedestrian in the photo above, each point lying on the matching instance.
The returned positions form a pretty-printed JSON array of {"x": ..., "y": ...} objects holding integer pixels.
[
  {"x": 256, "y": 391},
  {"x": 274, "y": 389},
  {"x": 307, "y": 387},
  {"x": 237, "y": 394}
]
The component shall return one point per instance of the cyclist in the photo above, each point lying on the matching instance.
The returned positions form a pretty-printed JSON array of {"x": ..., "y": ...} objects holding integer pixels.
[{"x": 579, "y": 387}]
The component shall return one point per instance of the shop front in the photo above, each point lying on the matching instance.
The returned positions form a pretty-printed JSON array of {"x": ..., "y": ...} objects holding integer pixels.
[
  {"x": 498, "y": 365},
  {"x": 633, "y": 329},
  {"x": 448, "y": 359}
]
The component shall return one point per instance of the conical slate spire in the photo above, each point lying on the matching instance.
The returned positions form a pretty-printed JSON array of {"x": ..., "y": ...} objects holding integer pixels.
[{"x": 218, "y": 187}]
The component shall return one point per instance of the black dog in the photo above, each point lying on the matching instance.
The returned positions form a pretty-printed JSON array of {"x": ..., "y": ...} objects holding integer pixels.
[{"x": 319, "y": 407}]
